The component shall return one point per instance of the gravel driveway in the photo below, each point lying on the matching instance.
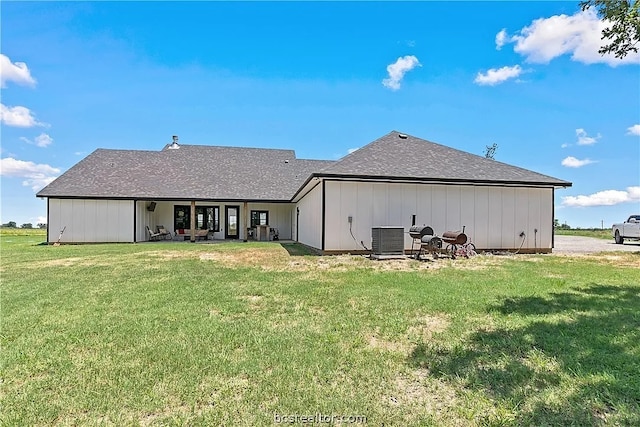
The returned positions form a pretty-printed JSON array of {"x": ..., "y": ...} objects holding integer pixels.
[{"x": 587, "y": 245}]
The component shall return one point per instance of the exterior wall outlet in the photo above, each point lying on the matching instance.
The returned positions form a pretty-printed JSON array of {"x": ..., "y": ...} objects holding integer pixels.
[{"x": 350, "y": 219}]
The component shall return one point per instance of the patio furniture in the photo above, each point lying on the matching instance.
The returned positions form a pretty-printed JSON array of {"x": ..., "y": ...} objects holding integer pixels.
[
  {"x": 186, "y": 234},
  {"x": 166, "y": 234},
  {"x": 152, "y": 235}
]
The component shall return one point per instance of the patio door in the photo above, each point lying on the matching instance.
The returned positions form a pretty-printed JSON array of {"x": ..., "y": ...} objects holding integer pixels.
[{"x": 232, "y": 215}]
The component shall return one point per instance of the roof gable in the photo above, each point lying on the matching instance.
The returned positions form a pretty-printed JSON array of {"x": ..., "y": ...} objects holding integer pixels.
[{"x": 402, "y": 156}]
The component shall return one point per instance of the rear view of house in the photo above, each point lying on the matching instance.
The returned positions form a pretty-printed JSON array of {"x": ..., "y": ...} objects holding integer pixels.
[{"x": 397, "y": 180}]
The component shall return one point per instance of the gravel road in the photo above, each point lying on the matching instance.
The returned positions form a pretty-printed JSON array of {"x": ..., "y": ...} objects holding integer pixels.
[{"x": 587, "y": 245}]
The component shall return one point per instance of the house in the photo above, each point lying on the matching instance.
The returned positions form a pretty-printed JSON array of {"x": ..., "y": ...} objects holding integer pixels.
[{"x": 396, "y": 180}]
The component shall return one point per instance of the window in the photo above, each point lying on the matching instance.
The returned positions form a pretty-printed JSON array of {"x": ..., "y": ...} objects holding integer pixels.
[
  {"x": 207, "y": 217},
  {"x": 259, "y": 218}
]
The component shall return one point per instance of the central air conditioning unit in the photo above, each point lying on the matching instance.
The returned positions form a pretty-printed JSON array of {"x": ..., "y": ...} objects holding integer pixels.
[{"x": 387, "y": 240}]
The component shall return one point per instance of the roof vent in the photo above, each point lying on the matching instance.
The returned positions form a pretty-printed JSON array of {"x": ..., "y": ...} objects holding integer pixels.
[
  {"x": 402, "y": 135},
  {"x": 174, "y": 145}
]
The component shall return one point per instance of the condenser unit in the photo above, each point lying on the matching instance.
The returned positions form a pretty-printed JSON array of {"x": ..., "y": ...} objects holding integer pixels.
[{"x": 387, "y": 240}]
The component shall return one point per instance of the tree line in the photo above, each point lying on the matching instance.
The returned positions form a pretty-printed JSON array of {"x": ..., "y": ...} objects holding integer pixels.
[{"x": 27, "y": 225}]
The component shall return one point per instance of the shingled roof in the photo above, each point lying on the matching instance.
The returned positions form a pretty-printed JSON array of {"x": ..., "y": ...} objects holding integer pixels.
[
  {"x": 401, "y": 156},
  {"x": 199, "y": 172},
  {"x": 190, "y": 172}
]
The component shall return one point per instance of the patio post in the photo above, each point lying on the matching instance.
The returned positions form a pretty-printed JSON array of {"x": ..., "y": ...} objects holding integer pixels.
[{"x": 193, "y": 221}]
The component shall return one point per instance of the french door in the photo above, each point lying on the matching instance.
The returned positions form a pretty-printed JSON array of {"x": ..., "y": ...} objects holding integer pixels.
[{"x": 232, "y": 215}]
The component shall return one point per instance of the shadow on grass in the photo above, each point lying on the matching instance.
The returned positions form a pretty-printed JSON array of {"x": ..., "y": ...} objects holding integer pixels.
[
  {"x": 574, "y": 360},
  {"x": 296, "y": 249}
]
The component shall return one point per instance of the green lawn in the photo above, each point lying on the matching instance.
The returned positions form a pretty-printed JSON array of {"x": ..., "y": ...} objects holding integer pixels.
[
  {"x": 600, "y": 234},
  {"x": 175, "y": 333}
]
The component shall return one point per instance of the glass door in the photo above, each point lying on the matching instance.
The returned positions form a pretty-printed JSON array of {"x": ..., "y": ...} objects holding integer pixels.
[{"x": 232, "y": 216}]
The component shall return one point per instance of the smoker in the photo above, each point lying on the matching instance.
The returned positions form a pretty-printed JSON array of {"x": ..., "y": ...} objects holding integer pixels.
[
  {"x": 454, "y": 237},
  {"x": 423, "y": 236},
  {"x": 419, "y": 231}
]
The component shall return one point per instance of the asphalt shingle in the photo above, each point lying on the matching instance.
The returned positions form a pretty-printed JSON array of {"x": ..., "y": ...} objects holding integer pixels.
[
  {"x": 189, "y": 172},
  {"x": 398, "y": 155},
  {"x": 199, "y": 172}
]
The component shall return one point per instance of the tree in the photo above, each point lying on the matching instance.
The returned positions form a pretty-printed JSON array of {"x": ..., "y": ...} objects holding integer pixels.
[
  {"x": 42, "y": 225},
  {"x": 27, "y": 225},
  {"x": 490, "y": 151},
  {"x": 10, "y": 224},
  {"x": 624, "y": 31}
]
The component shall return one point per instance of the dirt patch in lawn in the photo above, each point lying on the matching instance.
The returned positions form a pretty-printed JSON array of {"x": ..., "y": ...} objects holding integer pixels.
[
  {"x": 418, "y": 395},
  {"x": 425, "y": 326},
  {"x": 280, "y": 260},
  {"x": 374, "y": 341}
]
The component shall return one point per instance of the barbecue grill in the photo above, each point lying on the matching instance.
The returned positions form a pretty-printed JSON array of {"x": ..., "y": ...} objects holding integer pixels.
[
  {"x": 419, "y": 231},
  {"x": 454, "y": 237}
]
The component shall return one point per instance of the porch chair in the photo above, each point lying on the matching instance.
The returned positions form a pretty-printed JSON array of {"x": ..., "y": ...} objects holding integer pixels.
[
  {"x": 164, "y": 233},
  {"x": 152, "y": 235}
]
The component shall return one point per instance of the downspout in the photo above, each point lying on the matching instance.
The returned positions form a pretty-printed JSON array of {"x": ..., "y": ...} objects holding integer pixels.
[
  {"x": 135, "y": 221},
  {"x": 48, "y": 219},
  {"x": 553, "y": 216},
  {"x": 297, "y": 222},
  {"x": 324, "y": 206}
]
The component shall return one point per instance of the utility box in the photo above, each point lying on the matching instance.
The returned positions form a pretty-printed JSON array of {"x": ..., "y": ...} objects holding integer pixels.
[{"x": 387, "y": 240}]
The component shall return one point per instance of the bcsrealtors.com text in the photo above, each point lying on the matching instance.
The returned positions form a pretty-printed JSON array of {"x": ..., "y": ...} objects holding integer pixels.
[{"x": 319, "y": 419}]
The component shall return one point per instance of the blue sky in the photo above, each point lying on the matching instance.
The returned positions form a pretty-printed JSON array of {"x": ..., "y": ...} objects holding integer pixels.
[{"x": 321, "y": 78}]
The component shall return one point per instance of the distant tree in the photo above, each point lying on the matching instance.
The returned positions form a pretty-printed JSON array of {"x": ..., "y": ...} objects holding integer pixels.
[
  {"x": 27, "y": 225},
  {"x": 490, "y": 151},
  {"x": 42, "y": 225},
  {"x": 624, "y": 31},
  {"x": 10, "y": 224},
  {"x": 556, "y": 223}
]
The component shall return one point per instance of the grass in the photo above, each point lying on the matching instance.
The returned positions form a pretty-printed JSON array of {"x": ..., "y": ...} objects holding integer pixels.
[
  {"x": 235, "y": 334},
  {"x": 41, "y": 232},
  {"x": 587, "y": 232}
]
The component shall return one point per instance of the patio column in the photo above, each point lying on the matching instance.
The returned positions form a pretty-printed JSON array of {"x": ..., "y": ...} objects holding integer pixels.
[
  {"x": 244, "y": 222},
  {"x": 193, "y": 221}
]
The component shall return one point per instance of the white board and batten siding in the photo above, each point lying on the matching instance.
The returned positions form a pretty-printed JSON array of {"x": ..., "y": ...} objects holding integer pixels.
[
  {"x": 493, "y": 216},
  {"x": 90, "y": 221},
  {"x": 309, "y": 218},
  {"x": 279, "y": 217}
]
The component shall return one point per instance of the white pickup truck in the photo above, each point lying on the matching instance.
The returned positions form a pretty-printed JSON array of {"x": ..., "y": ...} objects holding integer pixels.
[{"x": 630, "y": 229}]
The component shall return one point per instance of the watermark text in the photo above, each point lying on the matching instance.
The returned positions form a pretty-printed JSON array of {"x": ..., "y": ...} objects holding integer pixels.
[{"x": 318, "y": 418}]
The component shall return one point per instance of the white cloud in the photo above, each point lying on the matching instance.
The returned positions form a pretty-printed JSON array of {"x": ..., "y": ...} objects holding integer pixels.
[
  {"x": 36, "y": 175},
  {"x": 398, "y": 69},
  {"x": 43, "y": 140},
  {"x": 578, "y": 35},
  {"x": 41, "y": 220},
  {"x": 17, "y": 72},
  {"x": 18, "y": 117},
  {"x": 496, "y": 76},
  {"x": 572, "y": 162},
  {"x": 604, "y": 198},
  {"x": 351, "y": 150},
  {"x": 584, "y": 139},
  {"x": 634, "y": 130},
  {"x": 501, "y": 38}
]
